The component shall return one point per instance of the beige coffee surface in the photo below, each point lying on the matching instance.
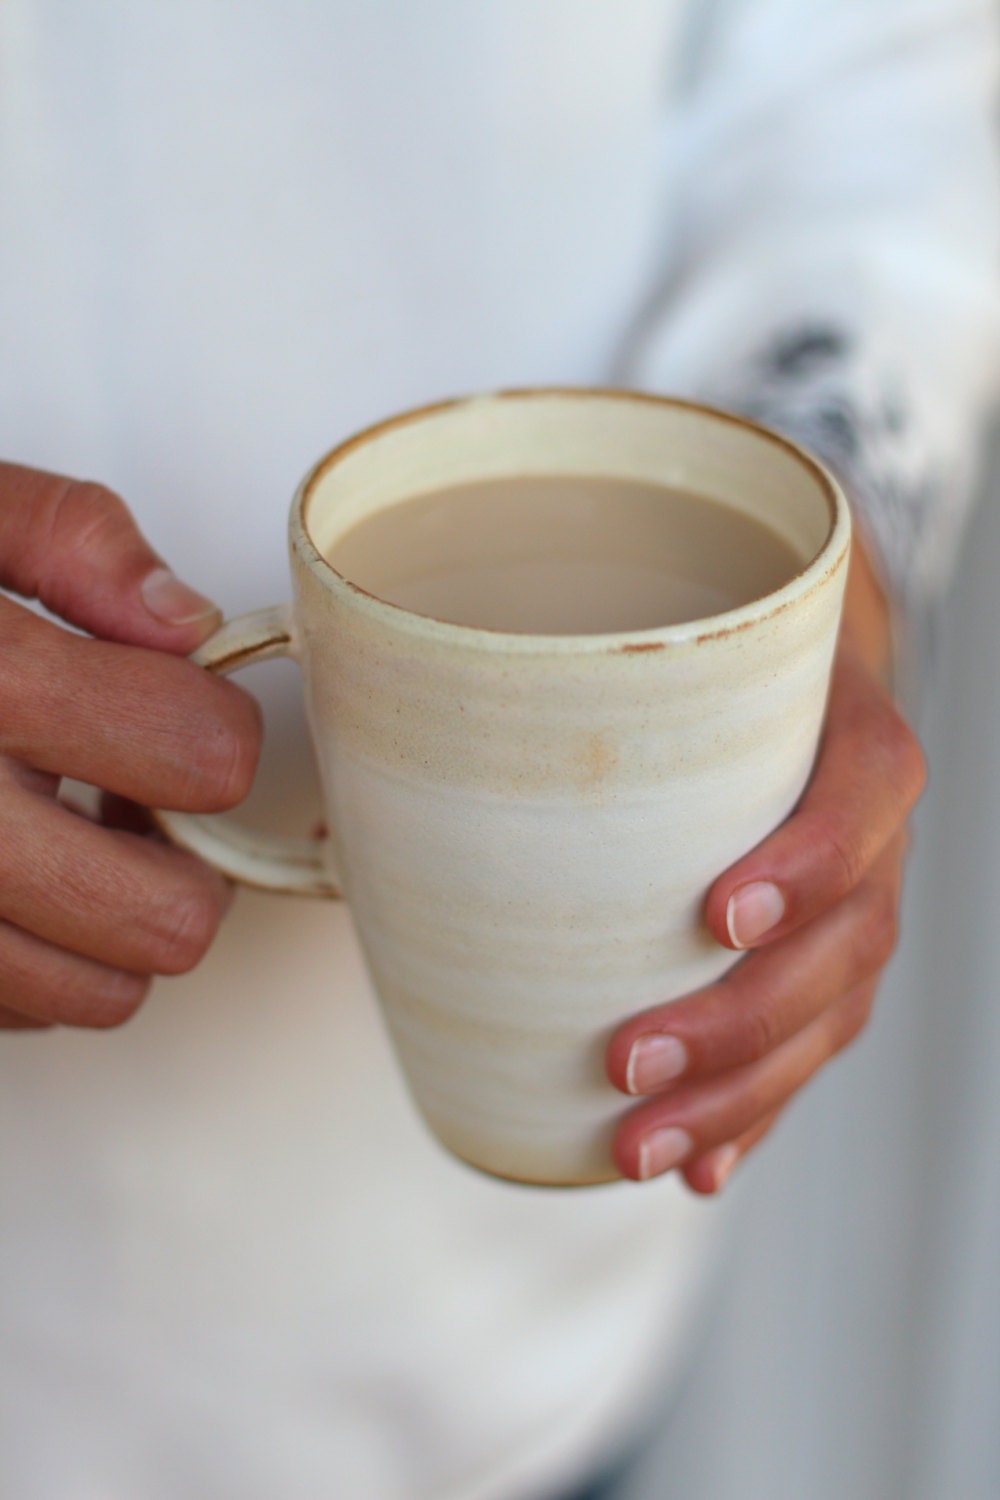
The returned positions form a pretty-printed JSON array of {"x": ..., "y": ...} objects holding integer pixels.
[{"x": 564, "y": 554}]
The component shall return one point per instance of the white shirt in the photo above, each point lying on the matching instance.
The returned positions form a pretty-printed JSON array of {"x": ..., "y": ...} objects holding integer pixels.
[{"x": 232, "y": 1263}]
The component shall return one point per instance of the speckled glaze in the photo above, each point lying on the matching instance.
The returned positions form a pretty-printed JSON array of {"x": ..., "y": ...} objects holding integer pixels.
[{"x": 526, "y": 826}]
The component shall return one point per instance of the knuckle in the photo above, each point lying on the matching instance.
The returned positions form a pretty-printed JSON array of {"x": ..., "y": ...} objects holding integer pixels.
[
  {"x": 904, "y": 754},
  {"x": 880, "y": 928},
  {"x": 225, "y": 755},
  {"x": 115, "y": 1001},
  {"x": 184, "y": 928},
  {"x": 98, "y": 1001},
  {"x": 84, "y": 524},
  {"x": 846, "y": 860},
  {"x": 86, "y": 515},
  {"x": 913, "y": 766},
  {"x": 760, "y": 1030},
  {"x": 852, "y": 1017}
]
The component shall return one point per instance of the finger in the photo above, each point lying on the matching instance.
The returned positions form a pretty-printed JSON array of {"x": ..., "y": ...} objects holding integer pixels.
[
  {"x": 674, "y": 1128},
  {"x": 767, "y": 998},
  {"x": 11, "y": 1021},
  {"x": 114, "y": 897},
  {"x": 710, "y": 1172},
  {"x": 75, "y": 546},
  {"x": 144, "y": 724},
  {"x": 41, "y": 985},
  {"x": 868, "y": 777}
]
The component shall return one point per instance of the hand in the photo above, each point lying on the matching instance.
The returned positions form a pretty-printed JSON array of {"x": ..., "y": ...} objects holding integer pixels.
[
  {"x": 88, "y": 912},
  {"x": 817, "y": 904}
]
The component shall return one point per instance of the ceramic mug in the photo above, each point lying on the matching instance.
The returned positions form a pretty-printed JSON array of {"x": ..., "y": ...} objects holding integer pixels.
[{"x": 526, "y": 826}]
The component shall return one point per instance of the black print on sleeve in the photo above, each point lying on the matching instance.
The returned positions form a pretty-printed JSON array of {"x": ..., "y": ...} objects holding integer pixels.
[{"x": 815, "y": 383}]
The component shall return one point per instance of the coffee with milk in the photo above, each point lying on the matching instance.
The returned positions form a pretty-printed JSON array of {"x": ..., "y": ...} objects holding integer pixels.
[{"x": 564, "y": 554}]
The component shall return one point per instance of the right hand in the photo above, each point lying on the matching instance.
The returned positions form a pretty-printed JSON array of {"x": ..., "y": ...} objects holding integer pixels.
[{"x": 90, "y": 912}]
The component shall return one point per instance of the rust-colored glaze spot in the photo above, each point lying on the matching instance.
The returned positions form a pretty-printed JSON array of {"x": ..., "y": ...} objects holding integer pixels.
[
  {"x": 355, "y": 587},
  {"x": 727, "y": 630},
  {"x": 642, "y": 646},
  {"x": 598, "y": 758}
]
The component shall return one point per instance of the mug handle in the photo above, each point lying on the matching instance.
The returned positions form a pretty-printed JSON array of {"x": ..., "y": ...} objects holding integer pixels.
[{"x": 298, "y": 867}]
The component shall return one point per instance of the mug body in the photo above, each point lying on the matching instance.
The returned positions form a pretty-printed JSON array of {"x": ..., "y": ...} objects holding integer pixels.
[{"x": 526, "y": 826}]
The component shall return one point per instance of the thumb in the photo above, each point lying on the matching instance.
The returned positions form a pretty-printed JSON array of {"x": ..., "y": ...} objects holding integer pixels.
[{"x": 75, "y": 547}]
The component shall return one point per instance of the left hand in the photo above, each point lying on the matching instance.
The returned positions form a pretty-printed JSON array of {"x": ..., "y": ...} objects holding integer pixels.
[{"x": 817, "y": 903}]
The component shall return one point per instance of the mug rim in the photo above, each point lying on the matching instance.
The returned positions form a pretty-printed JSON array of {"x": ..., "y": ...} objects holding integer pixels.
[{"x": 807, "y": 580}]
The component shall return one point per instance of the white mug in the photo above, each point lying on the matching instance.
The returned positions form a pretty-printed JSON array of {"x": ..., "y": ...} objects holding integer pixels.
[{"x": 526, "y": 826}]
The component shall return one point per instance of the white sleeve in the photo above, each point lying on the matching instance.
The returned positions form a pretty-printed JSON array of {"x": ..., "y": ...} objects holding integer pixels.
[{"x": 836, "y": 250}]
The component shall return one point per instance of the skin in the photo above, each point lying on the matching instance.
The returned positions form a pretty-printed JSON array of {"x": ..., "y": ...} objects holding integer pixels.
[
  {"x": 806, "y": 987},
  {"x": 92, "y": 908}
]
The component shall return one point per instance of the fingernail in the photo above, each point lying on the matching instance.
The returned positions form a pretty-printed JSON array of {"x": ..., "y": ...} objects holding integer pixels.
[
  {"x": 173, "y": 602},
  {"x": 725, "y": 1160},
  {"x": 753, "y": 910},
  {"x": 662, "y": 1149},
  {"x": 654, "y": 1061}
]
